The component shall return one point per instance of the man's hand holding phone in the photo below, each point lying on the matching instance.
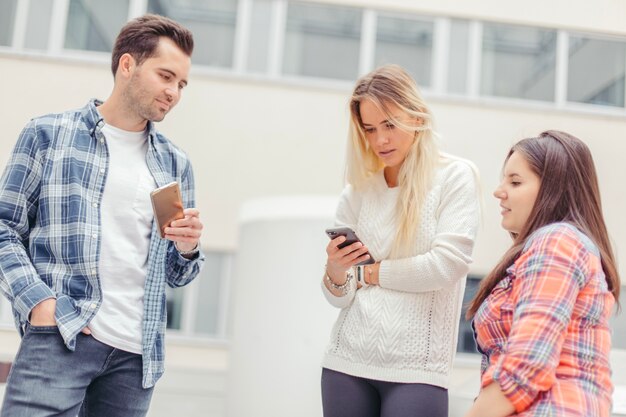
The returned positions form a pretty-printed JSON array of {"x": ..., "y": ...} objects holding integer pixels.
[
  {"x": 185, "y": 232},
  {"x": 175, "y": 223}
]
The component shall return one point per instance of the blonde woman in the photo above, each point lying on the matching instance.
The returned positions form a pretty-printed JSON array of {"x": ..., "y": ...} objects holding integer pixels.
[{"x": 416, "y": 212}]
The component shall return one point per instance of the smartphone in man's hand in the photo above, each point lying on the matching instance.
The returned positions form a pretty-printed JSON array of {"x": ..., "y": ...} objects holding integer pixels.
[
  {"x": 167, "y": 205},
  {"x": 351, "y": 238}
]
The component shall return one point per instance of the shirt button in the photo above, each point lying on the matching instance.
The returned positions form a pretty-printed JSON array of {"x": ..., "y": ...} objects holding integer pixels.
[
  {"x": 102, "y": 170},
  {"x": 95, "y": 235},
  {"x": 93, "y": 271},
  {"x": 101, "y": 140},
  {"x": 95, "y": 204},
  {"x": 93, "y": 306}
]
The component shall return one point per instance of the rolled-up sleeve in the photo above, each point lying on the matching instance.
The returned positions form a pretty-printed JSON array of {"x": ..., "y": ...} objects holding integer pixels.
[
  {"x": 181, "y": 271},
  {"x": 548, "y": 278}
]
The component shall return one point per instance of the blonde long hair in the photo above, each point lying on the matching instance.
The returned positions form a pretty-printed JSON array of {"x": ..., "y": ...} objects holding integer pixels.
[{"x": 385, "y": 86}]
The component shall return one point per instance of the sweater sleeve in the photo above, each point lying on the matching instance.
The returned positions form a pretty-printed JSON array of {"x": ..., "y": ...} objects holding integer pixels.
[
  {"x": 346, "y": 215},
  {"x": 450, "y": 252}
]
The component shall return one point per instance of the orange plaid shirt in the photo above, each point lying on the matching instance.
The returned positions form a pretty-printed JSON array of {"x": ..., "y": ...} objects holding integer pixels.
[{"x": 544, "y": 329}]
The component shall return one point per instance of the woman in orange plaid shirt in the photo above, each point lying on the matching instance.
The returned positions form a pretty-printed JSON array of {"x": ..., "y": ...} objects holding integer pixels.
[{"x": 541, "y": 317}]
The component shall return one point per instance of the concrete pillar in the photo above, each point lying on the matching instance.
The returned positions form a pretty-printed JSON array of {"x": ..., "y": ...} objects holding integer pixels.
[{"x": 281, "y": 320}]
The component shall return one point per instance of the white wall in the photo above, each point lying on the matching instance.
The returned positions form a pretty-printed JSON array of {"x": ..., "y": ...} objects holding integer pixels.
[
  {"x": 250, "y": 139},
  {"x": 605, "y": 16}
]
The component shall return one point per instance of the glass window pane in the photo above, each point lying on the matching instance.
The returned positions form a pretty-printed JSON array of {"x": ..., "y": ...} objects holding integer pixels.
[
  {"x": 588, "y": 82},
  {"x": 618, "y": 324},
  {"x": 322, "y": 41},
  {"x": 258, "y": 45},
  {"x": 458, "y": 56},
  {"x": 38, "y": 24},
  {"x": 466, "y": 341},
  {"x": 175, "y": 298},
  {"x": 93, "y": 25},
  {"x": 212, "y": 23},
  {"x": 208, "y": 293},
  {"x": 518, "y": 62},
  {"x": 407, "y": 42},
  {"x": 7, "y": 18}
]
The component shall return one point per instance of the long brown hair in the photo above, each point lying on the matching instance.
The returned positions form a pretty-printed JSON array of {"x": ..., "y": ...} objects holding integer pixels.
[{"x": 569, "y": 192}]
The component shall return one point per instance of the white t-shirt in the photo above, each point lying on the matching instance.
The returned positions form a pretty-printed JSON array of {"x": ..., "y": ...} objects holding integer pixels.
[{"x": 126, "y": 215}]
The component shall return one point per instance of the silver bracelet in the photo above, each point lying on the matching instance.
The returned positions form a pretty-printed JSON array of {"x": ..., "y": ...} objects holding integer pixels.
[
  {"x": 188, "y": 252},
  {"x": 340, "y": 287}
]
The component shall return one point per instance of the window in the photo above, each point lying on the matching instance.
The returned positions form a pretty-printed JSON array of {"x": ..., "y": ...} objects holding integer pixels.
[
  {"x": 199, "y": 308},
  {"x": 407, "y": 42},
  {"x": 518, "y": 62},
  {"x": 259, "y": 40},
  {"x": 322, "y": 41},
  {"x": 618, "y": 337},
  {"x": 7, "y": 19},
  {"x": 458, "y": 58},
  {"x": 212, "y": 23},
  {"x": 596, "y": 71},
  {"x": 93, "y": 25},
  {"x": 38, "y": 24},
  {"x": 466, "y": 334}
]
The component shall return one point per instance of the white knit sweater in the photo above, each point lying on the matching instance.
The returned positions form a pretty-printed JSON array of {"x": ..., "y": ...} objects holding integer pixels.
[{"x": 406, "y": 329}]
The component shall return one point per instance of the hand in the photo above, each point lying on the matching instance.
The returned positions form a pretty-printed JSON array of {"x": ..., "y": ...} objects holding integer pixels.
[
  {"x": 185, "y": 232},
  {"x": 43, "y": 313},
  {"x": 340, "y": 260}
]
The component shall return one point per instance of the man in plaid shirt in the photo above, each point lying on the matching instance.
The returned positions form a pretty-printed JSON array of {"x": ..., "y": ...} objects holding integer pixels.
[{"x": 81, "y": 259}]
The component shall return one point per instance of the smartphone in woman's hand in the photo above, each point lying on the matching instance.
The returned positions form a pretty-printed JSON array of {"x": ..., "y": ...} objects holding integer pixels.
[{"x": 351, "y": 238}]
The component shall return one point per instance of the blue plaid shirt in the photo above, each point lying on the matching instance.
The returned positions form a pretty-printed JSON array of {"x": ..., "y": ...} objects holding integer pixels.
[{"x": 50, "y": 196}]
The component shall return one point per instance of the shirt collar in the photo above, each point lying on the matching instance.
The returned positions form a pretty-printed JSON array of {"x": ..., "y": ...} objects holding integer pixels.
[{"x": 94, "y": 121}]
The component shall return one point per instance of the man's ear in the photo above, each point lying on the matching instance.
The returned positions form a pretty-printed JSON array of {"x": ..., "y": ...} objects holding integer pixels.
[{"x": 126, "y": 65}]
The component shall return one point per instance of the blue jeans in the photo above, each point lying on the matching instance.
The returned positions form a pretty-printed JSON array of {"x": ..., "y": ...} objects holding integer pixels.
[{"x": 95, "y": 380}]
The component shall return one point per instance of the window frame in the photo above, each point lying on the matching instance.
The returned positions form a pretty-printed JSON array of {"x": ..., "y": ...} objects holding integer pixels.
[
  {"x": 190, "y": 300},
  {"x": 596, "y": 37},
  {"x": 366, "y": 54}
]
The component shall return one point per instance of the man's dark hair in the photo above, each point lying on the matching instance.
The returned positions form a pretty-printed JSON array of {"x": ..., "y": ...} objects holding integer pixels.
[{"x": 140, "y": 38}]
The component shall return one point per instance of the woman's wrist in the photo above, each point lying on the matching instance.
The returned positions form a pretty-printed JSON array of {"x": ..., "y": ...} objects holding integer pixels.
[
  {"x": 372, "y": 274},
  {"x": 333, "y": 285}
]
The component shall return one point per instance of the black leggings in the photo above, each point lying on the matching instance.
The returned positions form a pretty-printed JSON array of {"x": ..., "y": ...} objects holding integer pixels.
[{"x": 350, "y": 396}]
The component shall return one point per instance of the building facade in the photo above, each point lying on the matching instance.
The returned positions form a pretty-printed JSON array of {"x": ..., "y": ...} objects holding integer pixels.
[{"x": 265, "y": 113}]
